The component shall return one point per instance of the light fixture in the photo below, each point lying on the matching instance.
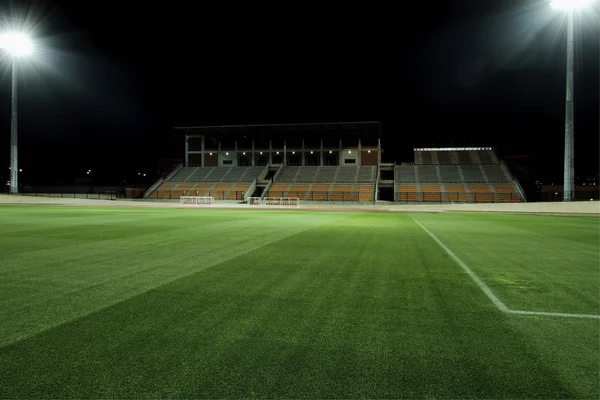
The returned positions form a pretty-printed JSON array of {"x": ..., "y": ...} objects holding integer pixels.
[
  {"x": 244, "y": 153},
  {"x": 20, "y": 169},
  {"x": 311, "y": 152},
  {"x": 17, "y": 44},
  {"x": 226, "y": 154},
  {"x": 210, "y": 154},
  {"x": 369, "y": 151},
  {"x": 277, "y": 152},
  {"x": 349, "y": 151},
  {"x": 329, "y": 151},
  {"x": 139, "y": 174},
  {"x": 261, "y": 152},
  {"x": 144, "y": 174}
]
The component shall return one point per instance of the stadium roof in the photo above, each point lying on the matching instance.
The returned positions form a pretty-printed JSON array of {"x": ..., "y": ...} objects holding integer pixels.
[{"x": 367, "y": 128}]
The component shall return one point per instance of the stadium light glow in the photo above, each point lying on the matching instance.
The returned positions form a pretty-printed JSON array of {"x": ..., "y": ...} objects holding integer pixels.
[
  {"x": 329, "y": 151},
  {"x": 311, "y": 152},
  {"x": 226, "y": 153},
  {"x": 17, "y": 44},
  {"x": 570, "y": 4},
  {"x": 277, "y": 152}
]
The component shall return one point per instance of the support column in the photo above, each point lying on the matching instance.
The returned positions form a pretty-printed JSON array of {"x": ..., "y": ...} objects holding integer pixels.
[
  {"x": 14, "y": 154},
  {"x": 569, "y": 173},
  {"x": 302, "y": 154},
  {"x": 321, "y": 154},
  {"x": 284, "y": 153},
  {"x": 252, "y": 154},
  {"x": 187, "y": 149},
  {"x": 270, "y": 152},
  {"x": 235, "y": 154},
  {"x": 359, "y": 158},
  {"x": 202, "y": 148}
]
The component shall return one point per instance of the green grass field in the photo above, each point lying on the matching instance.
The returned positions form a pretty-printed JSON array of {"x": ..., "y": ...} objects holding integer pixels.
[{"x": 147, "y": 303}]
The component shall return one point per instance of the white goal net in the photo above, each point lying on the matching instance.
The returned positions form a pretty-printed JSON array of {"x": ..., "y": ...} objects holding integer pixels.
[
  {"x": 197, "y": 201},
  {"x": 273, "y": 202}
]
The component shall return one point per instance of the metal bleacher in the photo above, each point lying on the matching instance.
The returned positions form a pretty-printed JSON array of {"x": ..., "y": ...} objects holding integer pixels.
[
  {"x": 326, "y": 183},
  {"x": 455, "y": 175},
  {"x": 225, "y": 183}
]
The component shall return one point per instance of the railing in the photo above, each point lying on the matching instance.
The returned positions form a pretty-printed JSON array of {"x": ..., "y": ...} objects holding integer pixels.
[
  {"x": 90, "y": 196},
  {"x": 457, "y": 197},
  {"x": 323, "y": 196},
  {"x": 216, "y": 194},
  {"x": 579, "y": 195}
]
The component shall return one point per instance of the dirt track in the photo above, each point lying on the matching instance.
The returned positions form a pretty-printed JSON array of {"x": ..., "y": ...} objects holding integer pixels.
[{"x": 564, "y": 209}]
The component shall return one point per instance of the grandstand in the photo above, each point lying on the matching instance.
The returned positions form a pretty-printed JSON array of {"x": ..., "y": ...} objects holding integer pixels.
[
  {"x": 456, "y": 175},
  {"x": 329, "y": 162},
  {"x": 326, "y": 183},
  {"x": 222, "y": 183}
]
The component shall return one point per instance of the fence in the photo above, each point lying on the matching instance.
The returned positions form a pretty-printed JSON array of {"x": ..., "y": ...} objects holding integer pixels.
[
  {"x": 91, "y": 196},
  {"x": 323, "y": 196},
  {"x": 579, "y": 195},
  {"x": 216, "y": 194},
  {"x": 457, "y": 197}
]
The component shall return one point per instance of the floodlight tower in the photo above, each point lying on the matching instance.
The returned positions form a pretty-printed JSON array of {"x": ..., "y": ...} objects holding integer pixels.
[
  {"x": 17, "y": 45},
  {"x": 569, "y": 6}
]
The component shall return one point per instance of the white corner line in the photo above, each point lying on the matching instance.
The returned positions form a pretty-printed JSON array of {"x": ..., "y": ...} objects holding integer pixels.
[{"x": 488, "y": 292}]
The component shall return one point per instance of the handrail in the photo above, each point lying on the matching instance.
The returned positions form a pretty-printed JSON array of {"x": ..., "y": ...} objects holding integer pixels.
[{"x": 162, "y": 180}]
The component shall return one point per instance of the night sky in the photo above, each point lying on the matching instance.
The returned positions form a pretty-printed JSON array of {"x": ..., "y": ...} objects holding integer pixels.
[{"x": 111, "y": 79}]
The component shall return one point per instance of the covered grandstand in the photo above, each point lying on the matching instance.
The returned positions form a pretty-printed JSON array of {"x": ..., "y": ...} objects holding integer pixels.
[{"x": 329, "y": 162}]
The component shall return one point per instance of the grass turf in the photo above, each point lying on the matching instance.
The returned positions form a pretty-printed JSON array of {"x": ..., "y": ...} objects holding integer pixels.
[{"x": 214, "y": 303}]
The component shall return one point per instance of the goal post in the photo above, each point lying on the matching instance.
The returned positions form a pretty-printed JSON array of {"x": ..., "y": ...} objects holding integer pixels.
[
  {"x": 196, "y": 201},
  {"x": 273, "y": 202}
]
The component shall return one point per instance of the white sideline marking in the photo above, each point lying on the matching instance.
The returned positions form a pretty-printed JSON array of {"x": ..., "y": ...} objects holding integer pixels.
[{"x": 488, "y": 292}]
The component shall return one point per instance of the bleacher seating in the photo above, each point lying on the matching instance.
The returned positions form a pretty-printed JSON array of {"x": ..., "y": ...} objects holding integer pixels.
[
  {"x": 495, "y": 173},
  {"x": 427, "y": 174},
  {"x": 408, "y": 192},
  {"x": 367, "y": 174},
  {"x": 324, "y": 183},
  {"x": 455, "y": 193},
  {"x": 217, "y": 182},
  {"x": 455, "y": 175},
  {"x": 405, "y": 173},
  {"x": 472, "y": 173},
  {"x": 449, "y": 174},
  {"x": 346, "y": 174}
]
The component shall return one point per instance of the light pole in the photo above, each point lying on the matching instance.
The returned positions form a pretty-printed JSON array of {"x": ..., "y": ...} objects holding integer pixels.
[
  {"x": 17, "y": 45},
  {"x": 569, "y": 6}
]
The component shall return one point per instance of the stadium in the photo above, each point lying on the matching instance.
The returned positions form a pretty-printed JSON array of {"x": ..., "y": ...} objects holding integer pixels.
[
  {"x": 336, "y": 162},
  {"x": 247, "y": 203},
  {"x": 264, "y": 266}
]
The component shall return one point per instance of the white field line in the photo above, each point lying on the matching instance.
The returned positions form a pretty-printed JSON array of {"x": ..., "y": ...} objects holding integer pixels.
[{"x": 488, "y": 292}]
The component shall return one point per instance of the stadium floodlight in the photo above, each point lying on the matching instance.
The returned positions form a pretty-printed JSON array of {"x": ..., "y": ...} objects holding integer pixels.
[
  {"x": 16, "y": 44},
  {"x": 570, "y": 6}
]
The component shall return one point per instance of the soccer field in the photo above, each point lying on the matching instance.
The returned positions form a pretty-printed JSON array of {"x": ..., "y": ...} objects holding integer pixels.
[{"x": 147, "y": 303}]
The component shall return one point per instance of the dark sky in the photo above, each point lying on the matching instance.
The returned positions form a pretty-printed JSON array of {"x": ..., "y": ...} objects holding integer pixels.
[{"x": 112, "y": 78}]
